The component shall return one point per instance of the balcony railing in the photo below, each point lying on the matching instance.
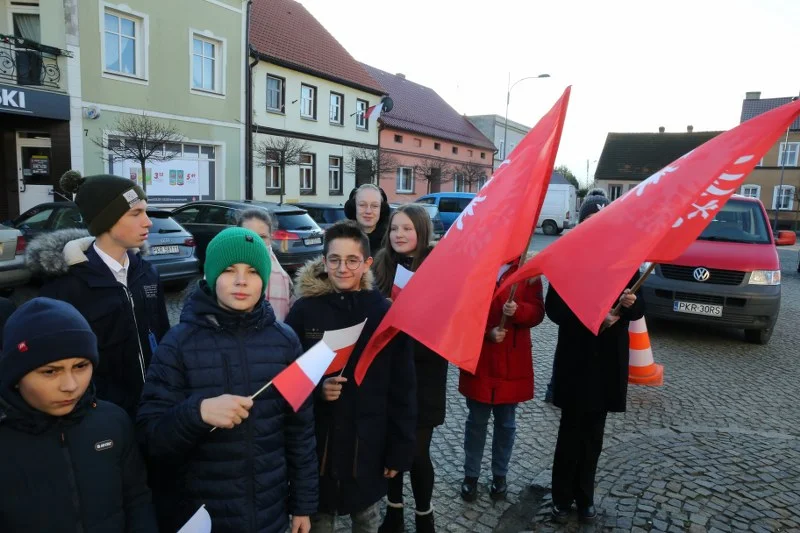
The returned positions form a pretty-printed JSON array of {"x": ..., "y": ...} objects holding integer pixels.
[{"x": 25, "y": 62}]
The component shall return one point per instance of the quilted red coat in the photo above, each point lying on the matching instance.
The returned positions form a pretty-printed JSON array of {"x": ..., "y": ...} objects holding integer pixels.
[{"x": 505, "y": 371}]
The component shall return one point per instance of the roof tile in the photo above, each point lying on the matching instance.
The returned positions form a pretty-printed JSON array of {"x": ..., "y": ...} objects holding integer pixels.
[{"x": 754, "y": 107}]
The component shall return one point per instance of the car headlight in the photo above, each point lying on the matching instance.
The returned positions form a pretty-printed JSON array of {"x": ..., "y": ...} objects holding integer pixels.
[{"x": 765, "y": 277}]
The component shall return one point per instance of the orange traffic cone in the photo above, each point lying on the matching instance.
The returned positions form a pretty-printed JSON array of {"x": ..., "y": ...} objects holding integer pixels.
[{"x": 642, "y": 370}]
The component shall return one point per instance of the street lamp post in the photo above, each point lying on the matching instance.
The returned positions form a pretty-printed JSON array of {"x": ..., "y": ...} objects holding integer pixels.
[{"x": 508, "y": 100}]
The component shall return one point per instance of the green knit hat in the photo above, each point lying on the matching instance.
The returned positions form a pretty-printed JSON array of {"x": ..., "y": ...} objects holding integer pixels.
[
  {"x": 103, "y": 199},
  {"x": 232, "y": 246}
]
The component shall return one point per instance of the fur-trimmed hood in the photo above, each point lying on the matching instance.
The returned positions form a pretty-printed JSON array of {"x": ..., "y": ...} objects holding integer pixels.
[
  {"x": 312, "y": 280},
  {"x": 51, "y": 254}
]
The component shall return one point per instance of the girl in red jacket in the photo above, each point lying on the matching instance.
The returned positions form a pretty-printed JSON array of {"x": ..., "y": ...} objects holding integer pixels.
[{"x": 503, "y": 379}]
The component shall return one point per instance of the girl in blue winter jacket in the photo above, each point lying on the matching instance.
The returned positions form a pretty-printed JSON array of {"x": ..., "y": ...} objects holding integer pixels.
[{"x": 260, "y": 465}]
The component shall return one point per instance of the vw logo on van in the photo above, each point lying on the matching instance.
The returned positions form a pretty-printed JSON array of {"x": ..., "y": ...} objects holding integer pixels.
[{"x": 701, "y": 274}]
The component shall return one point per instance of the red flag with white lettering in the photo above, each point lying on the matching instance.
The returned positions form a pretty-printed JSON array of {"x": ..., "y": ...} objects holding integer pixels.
[
  {"x": 656, "y": 221},
  {"x": 445, "y": 304}
]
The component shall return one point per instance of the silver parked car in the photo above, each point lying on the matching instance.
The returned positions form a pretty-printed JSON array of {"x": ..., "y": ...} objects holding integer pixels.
[{"x": 13, "y": 272}]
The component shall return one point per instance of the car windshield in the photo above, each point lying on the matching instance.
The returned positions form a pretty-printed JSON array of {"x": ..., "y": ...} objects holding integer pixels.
[
  {"x": 163, "y": 223},
  {"x": 431, "y": 209},
  {"x": 297, "y": 221},
  {"x": 738, "y": 221},
  {"x": 333, "y": 215}
]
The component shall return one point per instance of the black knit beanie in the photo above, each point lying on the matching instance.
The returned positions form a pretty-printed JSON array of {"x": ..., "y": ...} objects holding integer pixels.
[
  {"x": 42, "y": 331},
  {"x": 102, "y": 199},
  {"x": 595, "y": 200}
]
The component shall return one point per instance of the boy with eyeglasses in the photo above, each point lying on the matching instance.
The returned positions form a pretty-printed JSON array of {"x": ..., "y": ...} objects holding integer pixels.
[{"x": 365, "y": 434}]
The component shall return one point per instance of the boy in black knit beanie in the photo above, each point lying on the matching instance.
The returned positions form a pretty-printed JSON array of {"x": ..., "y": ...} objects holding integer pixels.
[{"x": 105, "y": 278}]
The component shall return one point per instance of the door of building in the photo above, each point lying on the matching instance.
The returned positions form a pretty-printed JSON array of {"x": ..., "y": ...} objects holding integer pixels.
[{"x": 33, "y": 170}]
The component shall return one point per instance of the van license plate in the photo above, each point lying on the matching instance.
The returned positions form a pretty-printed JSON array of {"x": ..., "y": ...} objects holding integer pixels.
[
  {"x": 697, "y": 309},
  {"x": 312, "y": 241},
  {"x": 165, "y": 250}
]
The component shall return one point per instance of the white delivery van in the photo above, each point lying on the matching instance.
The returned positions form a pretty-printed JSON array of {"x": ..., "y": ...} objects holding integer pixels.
[{"x": 558, "y": 210}]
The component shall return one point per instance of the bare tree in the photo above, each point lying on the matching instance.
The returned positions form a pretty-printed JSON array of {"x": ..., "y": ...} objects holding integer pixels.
[
  {"x": 471, "y": 173},
  {"x": 381, "y": 162},
  {"x": 434, "y": 172},
  {"x": 140, "y": 138},
  {"x": 280, "y": 152}
]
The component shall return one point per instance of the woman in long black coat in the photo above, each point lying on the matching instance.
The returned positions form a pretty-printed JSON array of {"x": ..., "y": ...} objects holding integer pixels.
[{"x": 590, "y": 379}]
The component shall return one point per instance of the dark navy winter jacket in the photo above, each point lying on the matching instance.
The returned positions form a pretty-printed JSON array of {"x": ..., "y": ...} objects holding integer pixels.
[
  {"x": 79, "y": 472},
  {"x": 248, "y": 477},
  {"x": 371, "y": 426},
  {"x": 126, "y": 320}
]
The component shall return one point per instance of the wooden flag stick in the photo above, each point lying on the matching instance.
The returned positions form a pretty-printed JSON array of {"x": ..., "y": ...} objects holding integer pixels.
[
  {"x": 522, "y": 259},
  {"x": 252, "y": 397}
]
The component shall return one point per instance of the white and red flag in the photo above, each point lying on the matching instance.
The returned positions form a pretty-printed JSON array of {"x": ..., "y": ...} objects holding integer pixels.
[
  {"x": 401, "y": 278},
  {"x": 656, "y": 221},
  {"x": 297, "y": 381},
  {"x": 343, "y": 342},
  {"x": 373, "y": 113},
  {"x": 446, "y": 302}
]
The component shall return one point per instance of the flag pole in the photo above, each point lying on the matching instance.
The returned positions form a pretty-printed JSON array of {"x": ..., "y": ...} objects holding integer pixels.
[
  {"x": 522, "y": 259},
  {"x": 252, "y": 397}
]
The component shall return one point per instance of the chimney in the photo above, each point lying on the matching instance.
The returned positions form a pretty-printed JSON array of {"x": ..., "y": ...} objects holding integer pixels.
[
  {"x": 401, "y": 75},
  {"x": 690, "y": 128},
  {"x": 661, "y": 129},
  {"x": 752, "y": 95}
]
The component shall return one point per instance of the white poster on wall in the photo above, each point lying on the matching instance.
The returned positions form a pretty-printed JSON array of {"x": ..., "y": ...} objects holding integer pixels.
[{"x": 169, "y": 178}]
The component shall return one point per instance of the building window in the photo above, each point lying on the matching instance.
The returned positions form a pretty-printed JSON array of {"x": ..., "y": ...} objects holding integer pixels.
[
  {"x": 122, "y": 44},
  {"x": 437, "y": 146},
  {"x": 787, "y": 154},
  {"x": 501, "y": 149},
  {"x": 361, "y": 114},
  {"x": 307, "y": 174},
  {"x": 273, "y": 177},
  {"x": 783, "y": 198},
  {"x": 483, "y": 155},
  {"x": 752, "y": 191},
  {"x": 469, "y": 153},
  {"x": 276, "y": 93},
  {"x": 398, "y": 139},
  {"x": 206, "y": 63},
  {"x": 405, "y": 180},
  {"x": 418, "y": 143},
  {"x": 459, "y": 184},
  {"x": 614, "y": 192},
  {"x": 455, "y": 149},
  {"x": 481, "y": 182},
  {"x": 308, "y": 101},
  {"x": 335, "y": 175},
  {"x": 337, "y": 108}
]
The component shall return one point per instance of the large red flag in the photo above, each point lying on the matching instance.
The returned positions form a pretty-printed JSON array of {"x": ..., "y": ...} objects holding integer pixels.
[
  {"x": 656, "y": 221},
  {"x": 446, "y": 303}
]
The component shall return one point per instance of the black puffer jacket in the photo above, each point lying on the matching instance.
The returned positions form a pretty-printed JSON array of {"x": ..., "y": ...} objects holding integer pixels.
[
  {"x": 80, "y": 472},
  {"x": 371, "y": 426},
  {"x": 249, "y": 476},
  {"x": 126, "y": 321}
]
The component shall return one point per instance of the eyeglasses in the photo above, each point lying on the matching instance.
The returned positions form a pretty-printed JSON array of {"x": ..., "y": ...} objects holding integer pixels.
[
  {"x": 362, "y": 206},
  {"x": 351, "y": 263}
]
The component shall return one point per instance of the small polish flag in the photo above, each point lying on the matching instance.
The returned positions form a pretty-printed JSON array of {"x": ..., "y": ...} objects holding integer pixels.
[
  {"x": 297, "y": 381},
  {"x": 374, "y": 112},
  {"x": 401, "y": 277},
  {"x": 200, "y": 522},
  {"x": 342, "y": 341}
]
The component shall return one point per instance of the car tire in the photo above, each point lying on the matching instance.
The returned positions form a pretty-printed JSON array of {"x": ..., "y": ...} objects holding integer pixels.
[
  {"x": 549, "y": 227},
  {"x": 758, "y": 336}
]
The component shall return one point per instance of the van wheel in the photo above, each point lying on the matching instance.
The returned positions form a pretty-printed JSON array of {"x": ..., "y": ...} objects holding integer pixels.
[
  {"x": 549, "y": 227},
  {"x": 758, "y": 336}
]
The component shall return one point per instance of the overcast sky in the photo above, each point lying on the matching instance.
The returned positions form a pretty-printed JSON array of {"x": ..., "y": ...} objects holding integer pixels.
[{"x": 634, "y": 65}]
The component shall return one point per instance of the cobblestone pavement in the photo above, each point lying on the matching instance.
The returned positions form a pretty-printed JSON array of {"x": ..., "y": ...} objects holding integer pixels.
[{"x": 716, "y": 449}]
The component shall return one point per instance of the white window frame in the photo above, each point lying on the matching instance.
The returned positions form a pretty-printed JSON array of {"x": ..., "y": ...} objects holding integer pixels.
[
  {"x": 273, "y": 176},
  {"x": 307, "y": 172},
  {"x": 401, "y": 175},
  {"x": 311, "y": 102},
  {"x": 220, "y": 63},
  {"x": 784, "y": 190},
  {"x": 335, "y": 174},
  {"x": 751, "y": 186},
  {"x": 361, "y": 119},
  {"x": 611, "y": 188},
  {"x": 142, "y": 36},
  {"x": 281, "y": 92},
  {"x": 795, "y": 152},
  {"x": 338, "y": 118}
]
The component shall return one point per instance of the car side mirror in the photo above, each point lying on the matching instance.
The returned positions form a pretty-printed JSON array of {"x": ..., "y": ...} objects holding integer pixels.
[{"x": 786, "y": 238}]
